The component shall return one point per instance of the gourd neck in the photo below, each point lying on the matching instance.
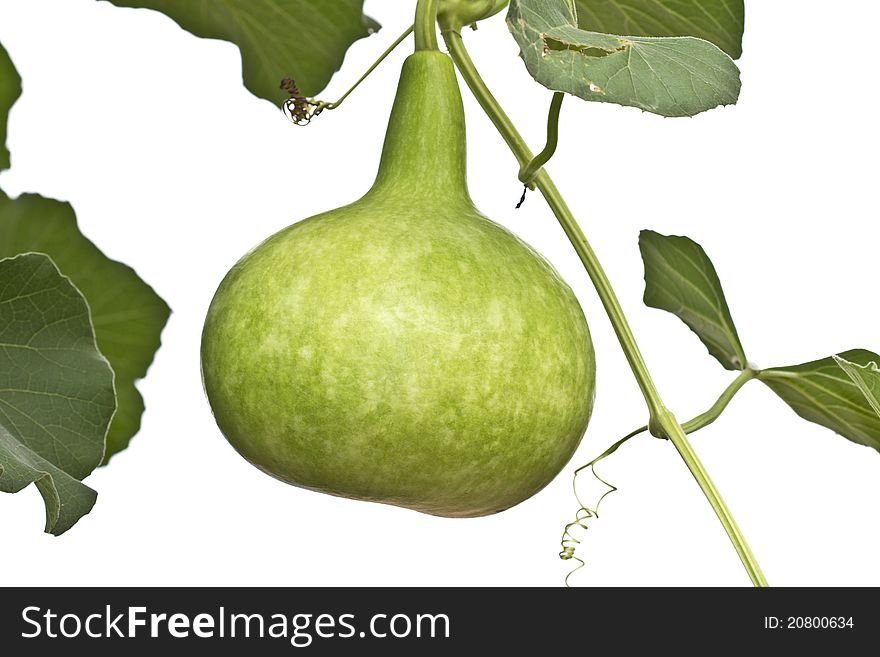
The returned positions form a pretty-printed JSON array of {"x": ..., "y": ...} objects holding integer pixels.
[{"x": 424, "y": 156}]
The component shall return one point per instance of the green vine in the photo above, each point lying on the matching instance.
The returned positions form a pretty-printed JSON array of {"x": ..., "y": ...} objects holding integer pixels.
[{"x": 662, "y": 422}]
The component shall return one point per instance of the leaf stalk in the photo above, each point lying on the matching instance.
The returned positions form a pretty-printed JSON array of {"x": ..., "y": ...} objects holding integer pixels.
[{"x": 705, "y": 419}]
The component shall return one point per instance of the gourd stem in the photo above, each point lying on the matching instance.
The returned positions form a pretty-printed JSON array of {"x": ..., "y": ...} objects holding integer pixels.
[
  {"x": 528, "y": 171},
  {"x": 426, "y": 25},
  {"x": 661, "y": 422}
]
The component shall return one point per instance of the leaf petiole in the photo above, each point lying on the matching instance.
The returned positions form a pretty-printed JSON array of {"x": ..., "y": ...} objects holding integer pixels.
[
  {"x": 691, "y": 426},
  {"x": 707, "y": 418}
]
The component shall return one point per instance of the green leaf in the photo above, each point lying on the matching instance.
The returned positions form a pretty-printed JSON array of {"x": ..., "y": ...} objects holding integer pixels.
[
  {"x": 302, "y": 39},
  {"x": 10, "y": 90},
  {"x": 670, "y": 76},
  {"x": 866, "y": 378},
  {"x": 840, "y": 392},
  {"x": 127, "y": 314},
  {"x": 719, "y": 21},
  {"x": 680, "y": 279},
  {"x": 56, "y": 389}
]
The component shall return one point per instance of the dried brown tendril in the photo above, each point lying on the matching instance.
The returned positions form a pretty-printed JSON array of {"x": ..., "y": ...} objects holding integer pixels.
[{"x": 298, "y": 108}]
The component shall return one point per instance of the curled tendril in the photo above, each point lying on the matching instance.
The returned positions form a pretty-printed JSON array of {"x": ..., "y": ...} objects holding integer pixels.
[
  {"x": 584, "y": 513},
  {"x": 299, "y": 109}
]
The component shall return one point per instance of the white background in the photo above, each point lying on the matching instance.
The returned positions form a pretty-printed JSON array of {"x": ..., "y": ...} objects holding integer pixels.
[{"x": 174, "y": 168}]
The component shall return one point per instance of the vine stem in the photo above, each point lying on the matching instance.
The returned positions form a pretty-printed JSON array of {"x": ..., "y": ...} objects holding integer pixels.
[{"x": 662, "y": 422}]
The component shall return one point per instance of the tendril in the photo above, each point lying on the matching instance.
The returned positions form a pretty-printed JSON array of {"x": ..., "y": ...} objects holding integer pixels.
[
  {"x": 569, "y": 543},
  {"x": 302, "y": 110},
  {"x": 299, "y": 109}
]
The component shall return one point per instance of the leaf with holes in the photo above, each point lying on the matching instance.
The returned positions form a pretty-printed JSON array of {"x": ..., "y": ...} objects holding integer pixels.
[
  {"x": 840, "y": 392},
  {"x": 302, "y": 39},
  {"x": 680, "y": 279},
  {"x": 56, "y": 389},
  {"x": 10, "y": 89},
  {"x": 670, "y": 76},
  {"x": 128, "y": 315},
  {"x": 720, "y": 21}
]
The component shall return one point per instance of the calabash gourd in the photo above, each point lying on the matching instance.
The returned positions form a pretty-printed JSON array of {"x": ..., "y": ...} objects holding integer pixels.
[{"x": 403, "y": 349}]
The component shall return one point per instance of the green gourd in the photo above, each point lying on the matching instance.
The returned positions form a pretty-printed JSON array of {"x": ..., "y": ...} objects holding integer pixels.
[{"x": 403, "y": 349}]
